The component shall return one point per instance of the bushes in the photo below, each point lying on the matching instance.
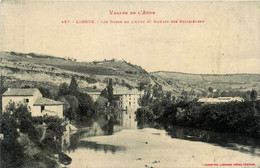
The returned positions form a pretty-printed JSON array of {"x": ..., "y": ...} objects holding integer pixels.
[
  {"x": 19, "y": 126},
  {"x": 15, "y": 119},
  {"x": 238, "y": 117},
  {"x": 11, "y": 153},
  {"x": 91, "y": 80},
  {"x": 145, "y": 117}
]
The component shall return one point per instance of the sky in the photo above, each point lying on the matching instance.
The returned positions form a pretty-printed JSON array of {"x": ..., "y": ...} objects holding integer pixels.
[{"x": 227, "y": 42}]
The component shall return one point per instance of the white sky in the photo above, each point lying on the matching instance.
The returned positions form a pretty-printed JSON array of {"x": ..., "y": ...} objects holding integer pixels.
[{"x": 228, "y": 41}]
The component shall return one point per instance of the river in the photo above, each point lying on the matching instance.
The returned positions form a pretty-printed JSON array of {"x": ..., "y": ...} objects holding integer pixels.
[{"x": 176, "y": 147}]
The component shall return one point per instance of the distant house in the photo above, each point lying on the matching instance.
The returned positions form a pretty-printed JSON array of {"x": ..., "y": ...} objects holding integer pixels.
[
  {"x": 33, "y": 98},
  {"x": 220, "y": 99},
  {"x": 128, "y": 102},
  {"x": 128, "y": 99}
]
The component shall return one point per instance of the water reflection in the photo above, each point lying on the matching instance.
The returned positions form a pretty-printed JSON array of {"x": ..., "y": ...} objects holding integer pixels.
[
  {"x": 228, "y": 140},
  {"x": 128, "y": 120},
  {"x": 94, "y": 146},
  {"x": 76, "y": 142},
  {"x": 140, "y": 148},
  {"x": 73, "y": 142}
]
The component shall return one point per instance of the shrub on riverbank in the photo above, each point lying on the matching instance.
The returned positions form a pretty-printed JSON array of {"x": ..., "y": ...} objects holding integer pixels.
[
  {"x": 236, "y": 117},
  {"x": 24, "y": 145}
]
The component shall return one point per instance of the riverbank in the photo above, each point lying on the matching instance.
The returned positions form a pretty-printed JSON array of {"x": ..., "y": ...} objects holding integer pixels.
[{"x": 153, "y": 148}]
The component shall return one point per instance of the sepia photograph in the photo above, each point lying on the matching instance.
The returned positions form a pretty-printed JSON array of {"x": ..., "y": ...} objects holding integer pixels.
[{"x": 129, "y": 84}]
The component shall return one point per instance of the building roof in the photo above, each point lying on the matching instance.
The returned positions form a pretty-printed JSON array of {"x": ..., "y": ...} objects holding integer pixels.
[
  {"x": 127, "y": 92},
  {"x": 93, "y": 93},
  {"x": 220, "y": 99},
  {"x": 45, "y": 101},
  {"x": 87, "y": 89},
  {"x": 20, "y": 92}
]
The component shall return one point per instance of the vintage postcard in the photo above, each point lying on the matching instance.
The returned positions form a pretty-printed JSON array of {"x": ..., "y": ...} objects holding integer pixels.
[{"x": 129, "y": 84}]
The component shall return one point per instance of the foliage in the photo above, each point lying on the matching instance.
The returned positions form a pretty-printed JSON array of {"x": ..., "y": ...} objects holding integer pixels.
[
  {"x": 86, "y": 107},
  {"x": 237, "y": 117},
  {"x": 253, "y": 95},
  {"x": 54, "y": 132},
  {"x": 147, "y": 98},
  {"x": 142, "y": 86},
  {"x": 157, "y": 91},
  {"x": 17, "y": 124},
  {"x": 22, "y": 116},
  {"x": 11, "y": 153},
  {"x": 110, "y": 92},
  {"x": 63, "y": 89},
  {"x": 101, "y": 101},
  {"x": 70, "y": 106},
  {"x": 104, "y": 93},
  {"x": 188, "y": 96},
  {"x": 45, "y": 92},
  {"x": 210, "y": 89},
  {"x": 91, "y": 80},
  {"x": 73, "y": 86},
  {"x": 15, "y": 119},
  {"x": 145, "y": 116}
]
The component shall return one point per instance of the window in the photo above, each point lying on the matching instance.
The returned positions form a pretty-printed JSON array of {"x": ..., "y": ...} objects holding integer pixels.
[
  {"x": 26, "y": 100},
  {"x": 42, "y": 108},
  {"x": 129, "y": 103}
]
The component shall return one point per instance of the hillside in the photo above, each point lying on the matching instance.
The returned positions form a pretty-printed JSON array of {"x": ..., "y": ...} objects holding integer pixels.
[
  {"x": 201, "y": 82},
  {"x": 20, "y": 69}
]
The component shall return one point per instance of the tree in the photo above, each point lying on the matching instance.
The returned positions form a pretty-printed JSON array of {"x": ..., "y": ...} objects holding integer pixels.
[
  {"x": 54, "y": 133},
  {"x": 74, "y": 104},
  {"x": 157, "y": 91},
  {"x": 146, "y": 99},
  {"x": 142, "y": 86},
  {"x": 104, "y": 93},
  {"x": 144, "y": 116},
  {"x": 63, "y": 89},
  {"x": 73, "y": 86},
  {"x": 16, "y": 118},
  {"x": 45, "y": 92},
  {"x": 253, "y": 95},
  {"x": 86, "y": 107},
  {"x": 246, "y": 95},
  {"x": 70, "y": 106},
  {"x": 2, "y": 81},
  {"x": 66, "y": 106},
  {"x": 210, "y": 89},
  {"x": 100, "y": 107},
  {"x": 26, "y": 87},
  {"x": 22, "y": 116},
  {"x": 110, "y": 92},
  {"x": 167, "y": 100},
  {"x": 101, "y": 101}
]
